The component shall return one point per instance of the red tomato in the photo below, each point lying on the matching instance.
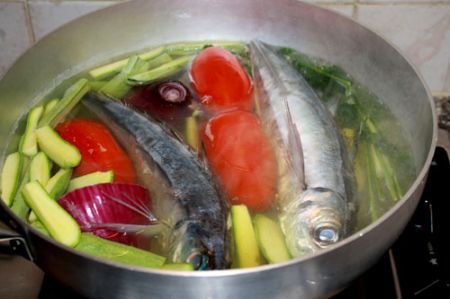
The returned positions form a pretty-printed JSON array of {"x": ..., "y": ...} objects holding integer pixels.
[
  {"x": 221, "y": 81},
  {"x": 242, "y": 157},
  {"x": 99, "y": 150}
]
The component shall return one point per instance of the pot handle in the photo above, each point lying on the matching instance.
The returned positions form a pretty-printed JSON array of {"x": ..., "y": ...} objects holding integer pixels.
[{"x": 12, "y": 242}]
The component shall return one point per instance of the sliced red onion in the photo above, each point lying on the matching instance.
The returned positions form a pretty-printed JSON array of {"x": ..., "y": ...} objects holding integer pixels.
[
  {"x": 173, "y": 92},
  {"x": 115, "y": 211}
]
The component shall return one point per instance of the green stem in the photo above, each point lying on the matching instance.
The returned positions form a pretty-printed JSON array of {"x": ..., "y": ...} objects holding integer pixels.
[
  {"x": 160, "y": 72},
  {"x": 112, "y": 68},
  {"x": 71, "y": 97}
]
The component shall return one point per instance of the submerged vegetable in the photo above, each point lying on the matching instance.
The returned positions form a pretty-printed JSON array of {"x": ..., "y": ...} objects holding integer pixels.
[
  {"x": 71, "y": 98},
  {"x": 245, "y": 244},
  {"x": 61, "y": 226},
  {"x": 221, "y": 81},
  {"x": 118, "y": 252},
  {"x": 172, "y": 92},
  {"x": 271, "y": 239},
  {"x": 11, "y": 176},
  {"x": 57, "y": 149},
  {"x": 28, "y": 143},
  {"x": 242, "y": 157},
  {"x": 166, "y": 100},
  {"x": 114, "y": 211},
  {"x": 90, "y": 179},
  {"x": 99, "y": 149}
]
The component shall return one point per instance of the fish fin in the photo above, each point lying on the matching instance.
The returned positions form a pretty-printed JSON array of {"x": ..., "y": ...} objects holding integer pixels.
[
  {"x": 147, "y": 229},
  {"x": 265, "y": 53},
  {"x": 295, "y": 147}
]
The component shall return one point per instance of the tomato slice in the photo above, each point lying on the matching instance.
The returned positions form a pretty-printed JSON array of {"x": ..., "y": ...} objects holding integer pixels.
[
  {"x": 99, "y": 150},
  {"x": 242, "y": 157},
  {"x": 221, "y": 81}
]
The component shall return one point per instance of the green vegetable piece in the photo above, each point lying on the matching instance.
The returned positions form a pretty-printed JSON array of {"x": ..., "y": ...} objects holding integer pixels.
[
  {"x": 55, "y": 187},
  {"x": 118, "y": 252},
  {"x": 118, "y": 87},
  {"x": 158, "y": 61},
  {"x": 57, "y": 149},
  {"x": 160, "y": 72},
  {"x": 49, "y": 106},
  {"x": 96, "y": 85},
  {"x": 40, "y": 168},
  {"x": 11, "y": 176},
  {"x": 183, "y": 49},
  {"x": 58, "y": 184},
  {"x": 112, "y": 68},
  {"x": 61, "y": 226},
  {"x": 236, "y": 47},
  {"x": 270, "y": 239},
  {"x": 192, "y": 137},
  {"x": 93, "y": 178},
  {"x": 19, "y": 206},
  {"x": 28, "y": 145},
  {"x": 246, "y": 246},
  {"x": 71, "y": 97},
  {"x": 178, "y": 267}
]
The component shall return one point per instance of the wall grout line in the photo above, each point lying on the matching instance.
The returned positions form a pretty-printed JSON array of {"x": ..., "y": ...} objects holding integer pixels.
[
  {"x": 355, "y": 12},
  {"x": 29, "y": 22}
]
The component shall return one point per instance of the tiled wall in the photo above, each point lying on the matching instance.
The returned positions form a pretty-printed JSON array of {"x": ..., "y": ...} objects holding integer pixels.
[{"x": 420, "y": 28}]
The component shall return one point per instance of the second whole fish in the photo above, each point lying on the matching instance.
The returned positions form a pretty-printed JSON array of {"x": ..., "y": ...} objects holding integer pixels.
[
  {"x": 182, "y": 193},
  {"x": 314, "y": 210}
]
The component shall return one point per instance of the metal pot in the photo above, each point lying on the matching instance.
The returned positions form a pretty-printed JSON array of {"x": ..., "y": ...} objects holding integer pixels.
[{"x": 137, "y": 25}]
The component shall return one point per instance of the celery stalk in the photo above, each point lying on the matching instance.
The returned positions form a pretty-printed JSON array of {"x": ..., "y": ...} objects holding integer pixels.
[
  {"x": 117, "y": 87},
  {"x": 112, "y": 68},
  {"x": 372, "y": 182},
  {"x": 183, "y": 49},
  {"x": 49, "y": 106},
  {"x": 71, "y": 97},
  {"x": 96, "y": 85},
  {"x": 160, "y": 72},
  {"x": 157, "y": 61}
]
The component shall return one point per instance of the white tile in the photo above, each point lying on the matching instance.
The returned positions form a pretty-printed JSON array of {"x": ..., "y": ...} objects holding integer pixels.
[
  {"x": 46, "y": 16},
  {"x": 14, "y": 37},
  {"x": 421, "y": 32}
]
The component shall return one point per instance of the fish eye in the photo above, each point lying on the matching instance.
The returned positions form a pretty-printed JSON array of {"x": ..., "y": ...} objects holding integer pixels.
[
  {"x": 325, "y": 235},
  {"x": 199, "y": 260}
]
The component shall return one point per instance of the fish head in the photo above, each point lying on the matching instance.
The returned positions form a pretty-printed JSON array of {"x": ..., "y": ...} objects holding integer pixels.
[
  {"x": 317, "y": 219},
  {"x": 193, "y": 246}
]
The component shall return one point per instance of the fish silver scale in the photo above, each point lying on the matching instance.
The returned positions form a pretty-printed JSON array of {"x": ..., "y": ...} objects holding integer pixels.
[
  {"x": 312, "y": 195},
  {"x": 181, "y": 188}
]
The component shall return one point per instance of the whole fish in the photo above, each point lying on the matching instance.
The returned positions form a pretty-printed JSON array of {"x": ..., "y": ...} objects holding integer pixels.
[
  {"x": 312, "y": 195},
  {"x": 181, "y": 188}
]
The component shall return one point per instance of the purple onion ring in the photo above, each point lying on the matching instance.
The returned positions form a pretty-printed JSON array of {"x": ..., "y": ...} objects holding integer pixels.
[{"x": 173, "y": 92}]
